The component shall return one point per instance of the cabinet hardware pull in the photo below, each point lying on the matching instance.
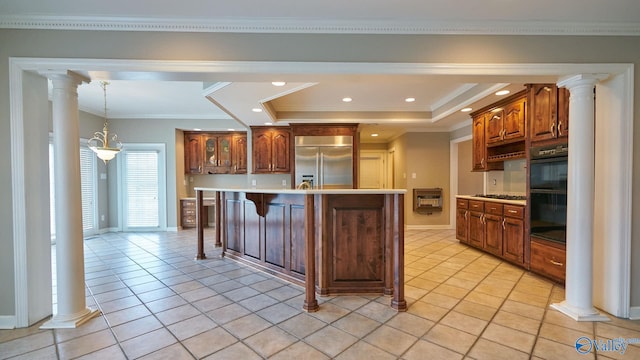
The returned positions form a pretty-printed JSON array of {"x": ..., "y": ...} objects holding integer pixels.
[
  {"x": 560, "y": 128},
  {"x": 513, "y": 212},
  {"x": 556, "y": 263},
  {"x": 503, "y": 221},
  {"x": 493, "y": 208},
  {"x": 465, "y": 215},
  {"x": 482, "y": 162},
  {"x": 553, "y": 129}
]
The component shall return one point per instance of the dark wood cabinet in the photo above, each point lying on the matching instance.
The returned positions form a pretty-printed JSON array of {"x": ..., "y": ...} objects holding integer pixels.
[
  {"x": 549, "y": 108},
  {"x": 188, "y": 212},
  {"x": 513, "y": 234},
  {"x": 548, "y": 259},
  {"x": 193, "y": 153},
  {"x": 239, "y": 154},
  {"x": 479, "y": 149},
  {"x": 494, "y": 227},
  {"x": 506, "y": 124},
  {"x": 514, "y": 124},
  {"x": 271, "y": 150},
  {"x": 215, "y": 153},
  {"x": 476, "y": 223},
  {"x": 462, "y": 214},
  {"x": 499, "y": 132}
]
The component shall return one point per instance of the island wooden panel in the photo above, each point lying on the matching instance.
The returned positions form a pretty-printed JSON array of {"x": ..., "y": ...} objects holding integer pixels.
[{"x": 353, "y": 242}]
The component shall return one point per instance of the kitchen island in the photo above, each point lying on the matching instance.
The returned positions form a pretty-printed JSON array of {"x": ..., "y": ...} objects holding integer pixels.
[{"x": 353, "y": 239}]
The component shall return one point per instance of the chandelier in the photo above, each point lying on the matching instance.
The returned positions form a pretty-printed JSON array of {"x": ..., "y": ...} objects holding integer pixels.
[{"x": 99, "y": 143}]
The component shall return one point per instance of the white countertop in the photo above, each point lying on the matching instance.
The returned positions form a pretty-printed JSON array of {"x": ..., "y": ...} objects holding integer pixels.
[
  {"x": 310, "y": 191},
  {"x": 504, "y": 201}
]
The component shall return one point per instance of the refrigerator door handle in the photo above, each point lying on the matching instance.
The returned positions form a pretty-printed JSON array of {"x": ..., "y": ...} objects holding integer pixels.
[
  {"x": 322, "y": 170},
  {"x": 318, "y": 172}
]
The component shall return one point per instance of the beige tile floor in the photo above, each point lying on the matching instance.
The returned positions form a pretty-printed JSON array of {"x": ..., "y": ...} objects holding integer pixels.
[{"x": 159, "y": 303}]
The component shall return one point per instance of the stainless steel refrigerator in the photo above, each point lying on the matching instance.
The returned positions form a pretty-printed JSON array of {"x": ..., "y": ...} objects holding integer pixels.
[{"x": 325, "y": 162}]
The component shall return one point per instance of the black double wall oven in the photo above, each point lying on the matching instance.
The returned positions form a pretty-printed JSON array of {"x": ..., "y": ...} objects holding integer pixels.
[{"x": 548, "y": 192}]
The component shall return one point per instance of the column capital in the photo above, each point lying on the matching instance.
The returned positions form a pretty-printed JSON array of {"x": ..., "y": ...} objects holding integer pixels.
[
  {"x": 66, "y": 76},
  {"x": 581, "y": 79}
]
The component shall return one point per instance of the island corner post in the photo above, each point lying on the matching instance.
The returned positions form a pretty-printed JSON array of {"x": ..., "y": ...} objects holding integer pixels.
[{"x": 308, "y": 237}]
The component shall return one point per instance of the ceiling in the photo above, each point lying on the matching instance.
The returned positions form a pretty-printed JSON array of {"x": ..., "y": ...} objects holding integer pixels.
[{"x": 378, "y": 100}]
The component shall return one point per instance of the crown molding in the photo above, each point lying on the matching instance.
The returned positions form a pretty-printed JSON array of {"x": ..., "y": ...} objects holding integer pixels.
[{"x": 308, "y": 26}]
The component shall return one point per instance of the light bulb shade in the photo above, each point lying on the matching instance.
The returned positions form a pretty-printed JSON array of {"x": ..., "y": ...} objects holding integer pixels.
[{"x": 105, "y": 154}]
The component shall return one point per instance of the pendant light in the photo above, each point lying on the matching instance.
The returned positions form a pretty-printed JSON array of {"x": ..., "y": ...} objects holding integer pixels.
[{"x": 99, "y": 143}]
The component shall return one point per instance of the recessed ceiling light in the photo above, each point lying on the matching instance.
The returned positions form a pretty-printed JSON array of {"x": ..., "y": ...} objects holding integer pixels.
[
  {"x": 467, "y": 109},
  {"x": 256, "y": 110},
  {"x": 410, "y": 99},
  {"x": 374, "y": 134},
  {"x": 231, "y": 129},
  {"x": 278, "y": 83},
  {"x": 502, "y": 92},
  {"x": 268, "y": 123},
  {"x": 347, "y": 99},
  {"x": 197, "y": 129}
]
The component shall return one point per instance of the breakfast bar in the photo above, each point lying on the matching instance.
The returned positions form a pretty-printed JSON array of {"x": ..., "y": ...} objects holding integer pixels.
[{"x": 331, "y": 241}]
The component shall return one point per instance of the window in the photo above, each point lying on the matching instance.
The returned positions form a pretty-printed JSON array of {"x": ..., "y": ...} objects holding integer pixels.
[{"x": 142, "y": 184}]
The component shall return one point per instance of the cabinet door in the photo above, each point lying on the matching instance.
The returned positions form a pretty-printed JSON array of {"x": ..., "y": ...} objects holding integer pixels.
[
  {"x": 493, "y": 126},
  {"x": 543, "y": 119},
  {"x": 281, "y": 162},
  {"x": 476, "y": 229},
  {"x": 513, "y": 240},
  {"x": 210, "y": 153},
  {"x": 224, "y": 151},
  {"x": 514, "y": 121},
  {"x": 493, "y": 235},
  {"x": 461, "y": 225},
  {"x": 261, "y": 141},
  {"x": 479, "y": 145},
  {"x": 563, "y": 112},
  {"x": 239, "y": 154},
  {"x": 193, "y": 153}
]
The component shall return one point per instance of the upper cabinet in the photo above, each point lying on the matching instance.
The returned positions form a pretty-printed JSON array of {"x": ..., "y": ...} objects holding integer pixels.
[
  {"x": 479, "y": 144},
  {"x": 499, "y": 132},
  {"x": 215, "y": 153},
  {"x": 549, "y": 108},
  {"x": 193, "y": 153},
  {"x": 271, "y": 153}
]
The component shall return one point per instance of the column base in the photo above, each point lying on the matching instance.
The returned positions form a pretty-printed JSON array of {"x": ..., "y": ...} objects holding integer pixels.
[
  {"x": 579, "y": 314},
  {"x": 70, "y": 321}
]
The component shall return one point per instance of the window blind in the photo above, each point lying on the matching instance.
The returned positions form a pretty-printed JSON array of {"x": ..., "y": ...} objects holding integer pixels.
[{"x": 141, "y": 189}]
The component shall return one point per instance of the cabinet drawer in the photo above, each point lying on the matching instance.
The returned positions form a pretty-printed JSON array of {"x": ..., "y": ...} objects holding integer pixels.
[
  {"x": 462, "y": 203},
  {"x": 475, "y": 205},
  {"x": 493, "y": 208},
  {"x": 514, "y": 211},
  {"x": 188, "y": 212},
  {"x": 548, "y": 260},
  {"x": 188, "y": 204}
]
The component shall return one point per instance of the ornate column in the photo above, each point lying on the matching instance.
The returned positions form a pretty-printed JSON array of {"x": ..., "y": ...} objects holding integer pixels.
[
  {"x": 578, "y": 303},
  {"x": 72, "y": 306}
]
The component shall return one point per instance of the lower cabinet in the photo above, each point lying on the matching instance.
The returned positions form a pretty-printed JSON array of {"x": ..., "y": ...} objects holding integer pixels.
[
  {"x": 491, "y": 226},
  {"x": 513, "y": 234},
  {"x": 188, "y": 212},
  {"x": 548, "y": 258},
  {"x": 462, "y": 214}
]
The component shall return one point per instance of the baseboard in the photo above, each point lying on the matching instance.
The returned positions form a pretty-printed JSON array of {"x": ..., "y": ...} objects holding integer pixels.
[
  {"x": 7, "y": 322},
  {"x": 634, "y": 313},
  {"x": 107, "y": 230},
  {"x": 172, "y": 229},
  {"x": 429, "y": 227}
]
